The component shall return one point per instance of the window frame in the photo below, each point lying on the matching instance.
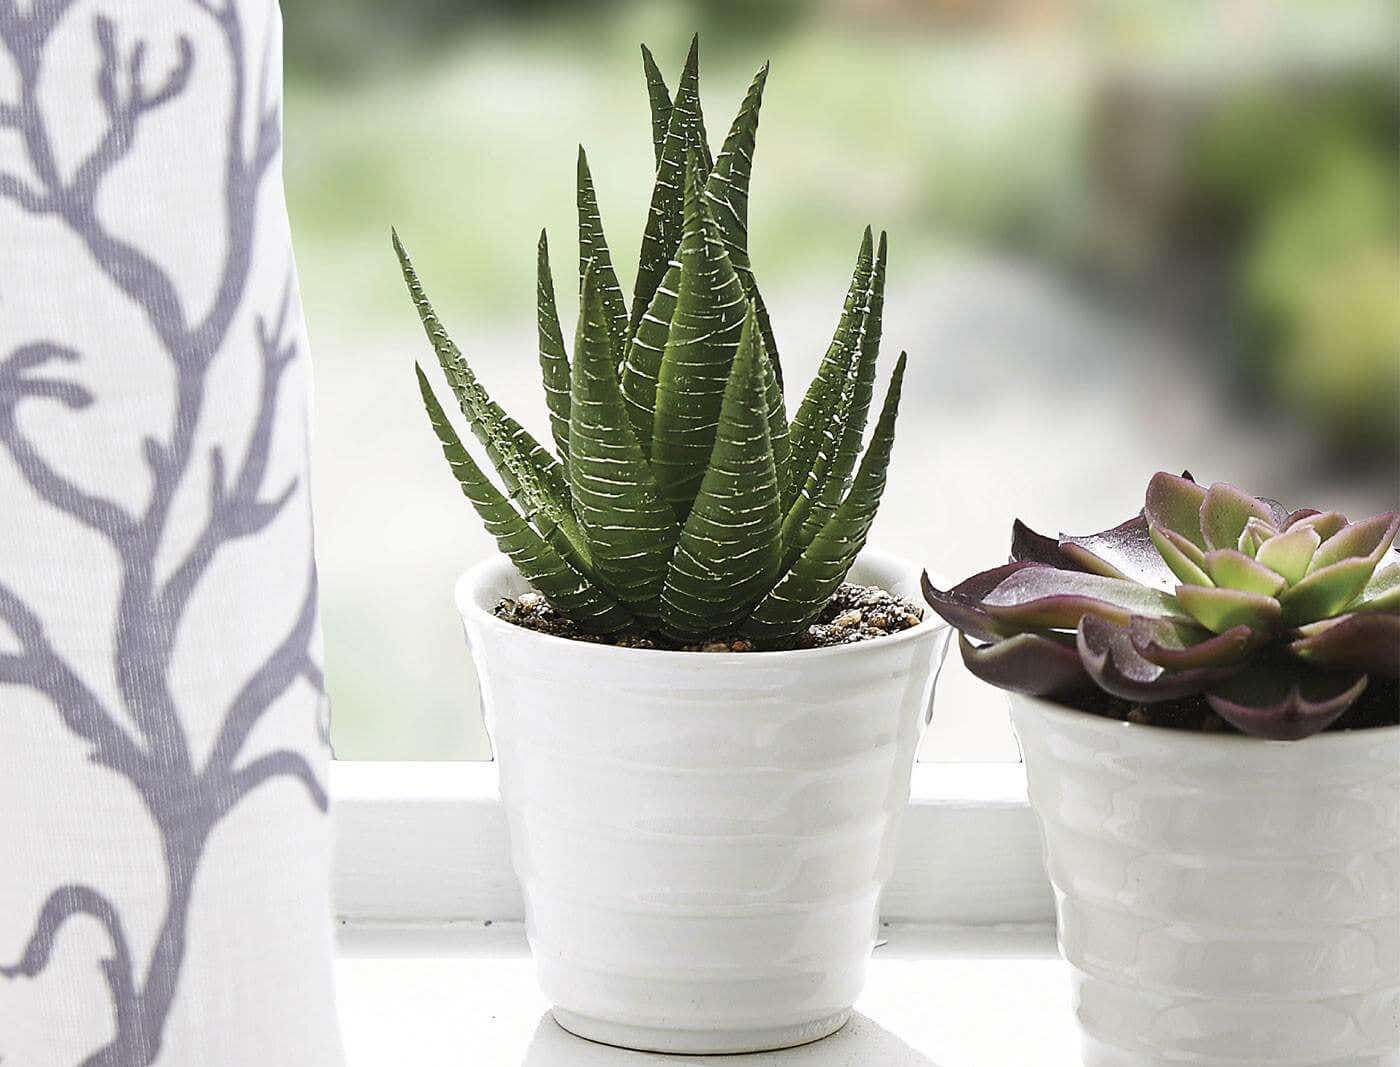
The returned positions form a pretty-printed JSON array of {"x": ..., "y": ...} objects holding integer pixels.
[{"x": 427, "y": 842}]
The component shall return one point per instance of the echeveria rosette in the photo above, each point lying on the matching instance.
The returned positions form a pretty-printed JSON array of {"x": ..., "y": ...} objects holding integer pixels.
[{"x": 1281, "y": 620}]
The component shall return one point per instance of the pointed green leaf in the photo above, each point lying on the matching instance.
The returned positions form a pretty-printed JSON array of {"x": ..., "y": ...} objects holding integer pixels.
[
  {"x": 1186, "y": 560},
  {"x": 1369, "y": 539},
  {"x": 685, "y": 132},
  {"x": 554, "y": 360},
  {"x": 1224, "y": 512},
  {"x": 1219, "y": 610},
  {"x": 1326, "y": 523},
  {"x": 644, "y": 352},
  {"x": 695, "y": 367},
  {"x": 812, "y": 432},
  {"x": 593, "y": 254},
  {"x": 784, "y": 615},
  {"x": 1174, "y": 503},
  {"x": 660, "y": 98},
  {"x": 855, "y": 408},
  {"x": 532, "y": 476},
  {"x": 1326, "y": 592},
  {"x": 1289, "y": 553},
  {"x": 565, "y": 588},
  {"x": 796, "y": 533},
  {"x": 1382, "y": 592},
  {"x": 727, "y": 187},
  {"x": 765, "y": 324},
  {"x": 728, "y": 553},
  {"x": 1252, "y": 537},
  {"x": 630, "y": 530},
  {"x": 777, "y": 416},
  {"x": 1230, "y": 568},
  {"x": 727, "y": 191}
]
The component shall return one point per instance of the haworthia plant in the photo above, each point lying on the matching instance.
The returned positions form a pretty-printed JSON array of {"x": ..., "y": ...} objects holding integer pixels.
[{"x": 680, "y": 500}]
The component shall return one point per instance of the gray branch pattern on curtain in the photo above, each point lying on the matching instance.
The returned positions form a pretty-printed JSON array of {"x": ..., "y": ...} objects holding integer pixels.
[{"x": 144, "y": 739}]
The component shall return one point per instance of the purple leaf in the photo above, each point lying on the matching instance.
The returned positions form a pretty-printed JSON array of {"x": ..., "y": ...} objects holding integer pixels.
[
  {"x": 1027, "y": 546},
  {"x": 1041, "y": 665},
  {"x": 1284, "y": 702},
  {"x": 1327, "y": 592},
  {"x": 1045, "y": 597},
  {"x": 1369, "y": 642},
  {"x": 1290, "y": 553},
  {"x": 1175, "y": 504},
  {"x": 1126, "y": 551},
  {"x": 1219, "y": 610},
  {"x": 1224, "y": 512},
  {"x": 1232, "y": 569},
  {"x": 1181, "y": 646},
  {"x": 1369, "y": 539},
  {"x": 962, "y": 605},
  {"x": 1115, "y": 665}
]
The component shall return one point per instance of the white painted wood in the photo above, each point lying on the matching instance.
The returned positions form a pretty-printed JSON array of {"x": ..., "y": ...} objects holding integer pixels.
[
  {"x": 426, "y": 842},
  {"x": 445, "y": 995}
]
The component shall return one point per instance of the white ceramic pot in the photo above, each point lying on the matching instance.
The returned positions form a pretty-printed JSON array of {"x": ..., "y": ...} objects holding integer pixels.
[
  {"x": 702, "y": 838},
  {"x": 1222, "y": 900}
]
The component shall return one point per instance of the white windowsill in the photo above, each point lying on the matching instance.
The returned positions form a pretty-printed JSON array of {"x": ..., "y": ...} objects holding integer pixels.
[
  {"x": 445, "y": 995},
  {"x": 427, "y": 843},
  {"x": 434, "y": 970}
]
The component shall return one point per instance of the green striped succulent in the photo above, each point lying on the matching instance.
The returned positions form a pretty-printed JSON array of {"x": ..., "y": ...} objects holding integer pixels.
[{"x": 679, "y": 499}]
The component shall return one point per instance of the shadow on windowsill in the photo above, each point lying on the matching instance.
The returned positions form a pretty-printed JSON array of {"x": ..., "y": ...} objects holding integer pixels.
[{"x": 860, "y": 1043}]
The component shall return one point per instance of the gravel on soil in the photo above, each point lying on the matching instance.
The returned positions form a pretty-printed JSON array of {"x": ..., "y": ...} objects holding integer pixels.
[{"x": 854, "y": 613}]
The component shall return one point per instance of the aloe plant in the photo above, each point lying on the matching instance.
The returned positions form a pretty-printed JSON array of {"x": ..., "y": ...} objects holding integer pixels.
[
  {"x": 1281, "y": 620},
  {"x": 679, "y": 500}
]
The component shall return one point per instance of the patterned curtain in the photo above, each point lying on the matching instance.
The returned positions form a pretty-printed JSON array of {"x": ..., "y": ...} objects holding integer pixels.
[{"x": 164, "y": 842}]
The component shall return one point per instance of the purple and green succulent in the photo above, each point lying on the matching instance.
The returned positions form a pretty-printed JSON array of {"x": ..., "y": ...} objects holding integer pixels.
[{"x": 1281, "y": 621}]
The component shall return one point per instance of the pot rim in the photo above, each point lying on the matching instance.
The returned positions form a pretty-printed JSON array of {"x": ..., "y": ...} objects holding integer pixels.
[
  {"x": 1075, "y": 717},
  {"x": 474, "y": 586}
]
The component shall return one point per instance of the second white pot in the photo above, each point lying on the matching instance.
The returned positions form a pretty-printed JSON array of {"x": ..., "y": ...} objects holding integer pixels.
[
  {"x": 702, "y": 838},
  {"x": 1223, "y": 901}
]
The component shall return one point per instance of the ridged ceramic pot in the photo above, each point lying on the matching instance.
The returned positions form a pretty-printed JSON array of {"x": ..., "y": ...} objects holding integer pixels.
[
  {"x": 702, "y": 838},
  {"x": 1223, "y": 901}
]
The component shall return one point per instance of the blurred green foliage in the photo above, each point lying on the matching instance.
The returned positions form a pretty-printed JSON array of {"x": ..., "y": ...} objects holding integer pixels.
[
  {"x": 941, "y": 139},
  {"x": 1306, "y": 176},
  {"x": 947, "y": 126},
  {"x": 338, "y": 39},
  {"x": 343, "y": 39}
]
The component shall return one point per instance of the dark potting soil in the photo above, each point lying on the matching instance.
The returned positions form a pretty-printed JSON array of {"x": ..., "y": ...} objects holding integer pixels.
[
  {"x": 854, "y": 613},
  {"x": 1378, "y": 706}
]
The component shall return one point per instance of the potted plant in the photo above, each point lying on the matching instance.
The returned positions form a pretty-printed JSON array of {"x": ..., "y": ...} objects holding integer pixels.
[
  {"x": 1207, "y": 704},
  {"x": 703, "y": 758}
]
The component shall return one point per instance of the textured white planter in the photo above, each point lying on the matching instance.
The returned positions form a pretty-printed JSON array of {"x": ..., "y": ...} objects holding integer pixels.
[
  {"x": 1222, "y": 900},
  {"x": 702, "y": 837}
]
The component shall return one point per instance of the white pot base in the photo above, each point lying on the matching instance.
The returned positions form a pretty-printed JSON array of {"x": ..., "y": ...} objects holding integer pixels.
[
  {"x": 699, "y": 1042},
  {"x": 702, "y": 838},
  {"x": 1223, "y": 901},
  {"x": 1097, "y": 1054}
]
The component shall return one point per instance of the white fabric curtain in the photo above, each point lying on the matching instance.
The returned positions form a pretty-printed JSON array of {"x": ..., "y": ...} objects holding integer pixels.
[{"x": 164, "y": 839}]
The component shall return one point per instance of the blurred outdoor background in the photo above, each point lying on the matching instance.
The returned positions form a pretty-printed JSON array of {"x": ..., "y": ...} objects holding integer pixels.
[{"x": 1125, "y": 236}]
